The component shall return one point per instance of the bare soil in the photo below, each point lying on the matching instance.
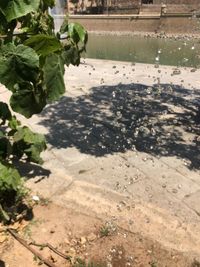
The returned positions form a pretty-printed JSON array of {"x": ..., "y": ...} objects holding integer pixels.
[{"x": 84, "y": 239}]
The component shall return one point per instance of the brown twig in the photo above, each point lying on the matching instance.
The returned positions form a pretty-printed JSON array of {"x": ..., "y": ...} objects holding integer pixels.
[
  {"x": 47, "y": 245},
  {"x": 36, "y": 253}
]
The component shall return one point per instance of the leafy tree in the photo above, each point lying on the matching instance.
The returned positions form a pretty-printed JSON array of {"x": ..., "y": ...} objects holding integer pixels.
[{"x": 32, "y": 66}]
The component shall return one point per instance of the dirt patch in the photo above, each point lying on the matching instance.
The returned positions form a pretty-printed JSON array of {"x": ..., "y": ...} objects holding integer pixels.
[{"x": 85, "y": 240}]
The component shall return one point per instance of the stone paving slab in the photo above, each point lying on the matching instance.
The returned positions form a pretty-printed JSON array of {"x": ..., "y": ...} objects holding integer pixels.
[{"x": 100, "y": 163}]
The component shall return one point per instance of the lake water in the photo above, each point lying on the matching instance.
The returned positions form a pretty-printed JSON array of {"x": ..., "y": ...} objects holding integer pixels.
[{"x": 144, "y": 50}]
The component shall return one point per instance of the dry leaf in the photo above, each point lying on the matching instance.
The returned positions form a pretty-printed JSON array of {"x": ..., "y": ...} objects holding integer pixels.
[
  {"x": 15, "y": 226},
  {"x": 3, "y": 238}
]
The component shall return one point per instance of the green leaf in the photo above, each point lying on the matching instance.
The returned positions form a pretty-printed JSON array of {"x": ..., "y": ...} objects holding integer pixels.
[
  {"x": 26, "y": 101},
  {"x": 5, "y": 147},
  {"x": 3, "y": 23},
  {"x": 33, "y": 153},
  {"x": 71, "y": 55},
  {"x": 30, "y": 143},
  {"x": 77, "y": 38},
  {"x": 77, "y": 33},
  {"x": 3, "y": 215},
  {"x": 49, "y": 3},
  {"x": 5, "y": 113},
  {"x": 44, "y": 44},
  {"x": 64, "y": 26},
  {"x": 38, "y": 23},
  {"x": 17, "y": 64},
  {"x": 9, "y": 178},
  {"x": 13, "y": 9},
  {"x": 25, "y": 134},
  {"x": 13, "y": 123},
  {"x": 53, "y": 77},
  {"x": 10, "y": 184}
]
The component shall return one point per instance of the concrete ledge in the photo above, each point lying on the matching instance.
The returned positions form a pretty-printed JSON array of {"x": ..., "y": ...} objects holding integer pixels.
[
  {"x": 136, "y": 23},
  {"x": 178, "y": 15},
  {"x": 127, "y": 16}
]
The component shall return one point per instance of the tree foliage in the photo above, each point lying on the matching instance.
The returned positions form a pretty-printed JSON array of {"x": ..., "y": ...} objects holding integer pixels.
[{"x": 32, "y": 66}]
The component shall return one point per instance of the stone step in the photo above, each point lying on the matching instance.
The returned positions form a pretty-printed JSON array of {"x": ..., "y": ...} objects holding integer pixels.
[{"x": 150, "y": 8}]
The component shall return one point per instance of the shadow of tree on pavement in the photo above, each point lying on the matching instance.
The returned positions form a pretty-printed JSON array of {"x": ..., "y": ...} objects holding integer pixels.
[
  {"x": 159, "y": 120},
  {"x": 31, "y": 170}
]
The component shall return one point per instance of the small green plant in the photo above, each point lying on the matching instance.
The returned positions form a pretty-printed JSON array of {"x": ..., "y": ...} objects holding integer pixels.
[
  {"x": 32, "y": 66},
  {"x": 109, "y": 228},
  {"x": 104, "y": 231},
  {"x": 15, "y": 142}
]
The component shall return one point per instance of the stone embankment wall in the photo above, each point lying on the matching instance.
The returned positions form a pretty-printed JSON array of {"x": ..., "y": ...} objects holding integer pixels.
[
  {"x": 119, "y": 16},
  {"x": 168, "y": 25}
]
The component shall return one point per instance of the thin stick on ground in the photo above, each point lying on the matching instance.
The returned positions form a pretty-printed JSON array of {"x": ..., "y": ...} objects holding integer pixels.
[
  {"x": 47, "y": 245},
  {"x": 36, "y": 253}
]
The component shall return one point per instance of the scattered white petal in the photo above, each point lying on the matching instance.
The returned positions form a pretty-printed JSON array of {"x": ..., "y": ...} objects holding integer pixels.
[{"x": 36, "y": 198}]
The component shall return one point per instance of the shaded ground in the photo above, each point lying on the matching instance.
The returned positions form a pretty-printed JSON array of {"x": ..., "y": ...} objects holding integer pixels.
[{"x": 160, "y": 120}]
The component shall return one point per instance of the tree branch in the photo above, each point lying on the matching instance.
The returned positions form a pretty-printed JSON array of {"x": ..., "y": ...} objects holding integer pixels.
[
  {"x": 47, "y": 245},
  {"x": 36, "y": 253}
]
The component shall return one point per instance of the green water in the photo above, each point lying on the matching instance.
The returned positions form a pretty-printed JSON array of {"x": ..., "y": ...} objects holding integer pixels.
[{"x": 144, "y": 50}]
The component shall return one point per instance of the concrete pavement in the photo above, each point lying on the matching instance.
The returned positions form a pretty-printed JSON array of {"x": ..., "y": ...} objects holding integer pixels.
[{"x": 124, "y": 146}]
